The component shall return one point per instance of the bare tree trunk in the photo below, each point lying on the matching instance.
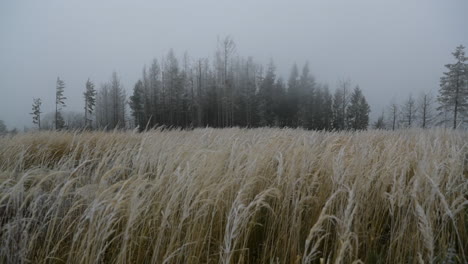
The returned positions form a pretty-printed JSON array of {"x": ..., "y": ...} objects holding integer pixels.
[
  {"x": 199, "y": 103},
  {"x": 424, "y": 111},
  {"x": 86, "y": 111},
  {"x": 56, "y": 116},
  {"x": 455, "y": 110}
]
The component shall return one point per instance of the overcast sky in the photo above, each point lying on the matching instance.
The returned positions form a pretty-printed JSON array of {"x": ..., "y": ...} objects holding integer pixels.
[{"x": 390, "y": 48}]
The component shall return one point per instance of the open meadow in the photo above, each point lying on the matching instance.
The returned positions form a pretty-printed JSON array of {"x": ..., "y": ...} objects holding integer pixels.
[{"x": 234, "y": 196}]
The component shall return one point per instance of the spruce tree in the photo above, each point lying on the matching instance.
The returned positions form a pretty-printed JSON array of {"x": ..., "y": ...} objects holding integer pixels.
[
  {"x": 364, "y": 110},
  {"x": 59, "y": 103},
  {"x": 136, "y": 103},
  {"x": 325, "y": 106},
  {"x": 36, "y": 112},
  {"x": 338, "y": 117},
  {"x": 265, "y": 97},
  {"x": 358, "y": 111},
  {"x": 293, "y": 96},
  {"x": 306, "y": 100},
  {"x": 453, "y": 92},
  {"x": 90, "y": 102}
]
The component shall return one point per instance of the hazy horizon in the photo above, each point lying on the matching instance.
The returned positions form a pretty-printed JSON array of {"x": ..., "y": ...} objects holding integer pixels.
[{"x": 391, "y": 48}]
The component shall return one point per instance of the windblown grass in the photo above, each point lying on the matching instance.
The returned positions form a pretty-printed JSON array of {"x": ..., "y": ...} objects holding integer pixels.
[{"x": 234, "y": 196}]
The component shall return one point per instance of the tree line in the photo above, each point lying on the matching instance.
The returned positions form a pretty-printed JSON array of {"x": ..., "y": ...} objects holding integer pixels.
[
  {"x": 235, "y": 91},
  {"x": 238, "y": 92},
  {"x": 229, "y": 91}
]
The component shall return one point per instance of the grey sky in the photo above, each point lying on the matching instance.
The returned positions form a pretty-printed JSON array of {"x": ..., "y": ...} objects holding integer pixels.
[{"x": 390, "y": 48}]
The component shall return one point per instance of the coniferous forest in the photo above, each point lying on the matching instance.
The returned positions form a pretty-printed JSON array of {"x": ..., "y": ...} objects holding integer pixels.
[
  {"x": 229, "y": 91},
  {"x": 233, "y": 91},
  {"x": 236, "y": 91}
]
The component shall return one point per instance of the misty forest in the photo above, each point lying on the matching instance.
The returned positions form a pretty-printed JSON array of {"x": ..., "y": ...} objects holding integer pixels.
[
  {"x": 236, "y": 92},
  {"x": 230, "y": 92},
  {"x": 226, "y": 158}
]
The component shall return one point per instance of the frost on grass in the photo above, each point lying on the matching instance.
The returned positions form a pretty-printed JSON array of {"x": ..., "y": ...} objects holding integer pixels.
[{"x": 234, "y": 196}]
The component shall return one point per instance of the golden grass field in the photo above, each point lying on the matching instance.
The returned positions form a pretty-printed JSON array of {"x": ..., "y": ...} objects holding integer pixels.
[{"x": 234, "y": 196}]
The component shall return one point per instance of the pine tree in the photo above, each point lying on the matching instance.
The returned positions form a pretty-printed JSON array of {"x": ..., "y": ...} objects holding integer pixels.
[
  {"x": 175, "y": 91},
  {"x": 338, "y": 117},
  {"x": 103, "y": 110},
  {"x": 265, "y": 97},
  {"x": 364, "y": 109},
  {"x": 117, "y": 99},
  {"x": 306, "y": 102},
  {"x": 316, "y": 109},
  {"x": 136, "y": 103},
  {"x": 200, "y": 92},
  {"x": 280, "y": 104},
  {"x": 90, "y": 102},
  {"x": 248, "y": 92},
  {"x": 353, "y": 110},
  {"x": 149, "y": 104},
  {"x": 293, "y": 96},
  {"x": 358, "y": 111},
  {"x": 151, "y": 97},
  {"x": 325, "y": 109},
  {"x": 226, "y": 49},
  {"x": 186, "y": 81},
  {"x": 453, "y": 92},
  {"x": 36, "y": 112},
  {"x": 59, "y": 103}
]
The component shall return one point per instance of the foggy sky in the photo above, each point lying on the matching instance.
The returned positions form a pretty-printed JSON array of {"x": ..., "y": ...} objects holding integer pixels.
[{"x": 390, "y": 48}]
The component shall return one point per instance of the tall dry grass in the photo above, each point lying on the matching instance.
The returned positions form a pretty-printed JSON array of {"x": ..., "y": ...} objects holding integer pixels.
[{"x": 234, "y": 196}]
